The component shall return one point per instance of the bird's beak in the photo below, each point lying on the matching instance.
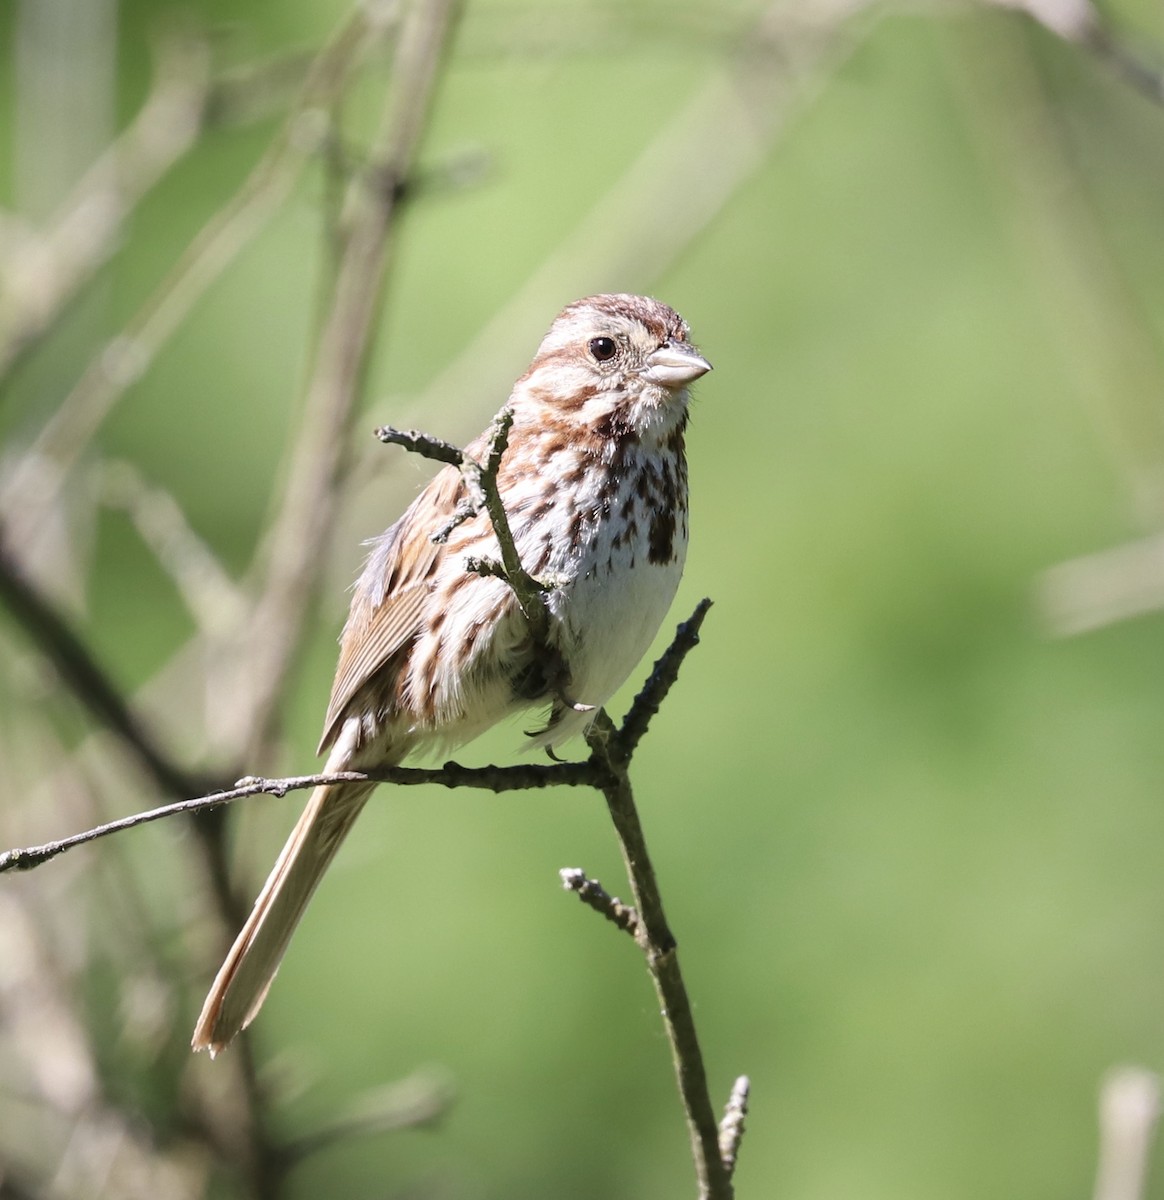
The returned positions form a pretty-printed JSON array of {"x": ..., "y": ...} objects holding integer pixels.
[{"x": 674, "y": 364}]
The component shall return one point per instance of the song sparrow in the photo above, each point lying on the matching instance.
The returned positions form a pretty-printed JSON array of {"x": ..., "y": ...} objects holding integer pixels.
[{"x": 594, "y": 483}]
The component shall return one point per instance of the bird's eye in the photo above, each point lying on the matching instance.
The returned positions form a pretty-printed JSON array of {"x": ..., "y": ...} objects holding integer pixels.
[{"x": 603, "y": 348}]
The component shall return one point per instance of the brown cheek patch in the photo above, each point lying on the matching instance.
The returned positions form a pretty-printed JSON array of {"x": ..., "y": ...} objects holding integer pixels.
[{"x": 556, "y": 400}]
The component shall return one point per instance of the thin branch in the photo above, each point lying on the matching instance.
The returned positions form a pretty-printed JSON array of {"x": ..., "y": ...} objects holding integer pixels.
[
  {"x": 415, "y": 442},
  {"x": 309, "y": 506},
  {"x": 593, "y": 894},
  {"x": 522, "y": 777},
  {"x": 55, "y": 634},
  {"x": 54, "y": 637},
  {"x": 481, "y": 481},
  {"x": 528, "y": 592},
  {"x": 662, "y": 957},
  {"x": 660, "y": 681}
]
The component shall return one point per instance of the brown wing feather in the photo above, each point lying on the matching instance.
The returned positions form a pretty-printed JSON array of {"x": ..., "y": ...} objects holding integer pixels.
[{"x": 389, "y": 597}]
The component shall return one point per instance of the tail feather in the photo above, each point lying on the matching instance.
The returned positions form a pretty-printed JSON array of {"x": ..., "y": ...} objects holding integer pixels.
[{"x": 242, "y": 982}]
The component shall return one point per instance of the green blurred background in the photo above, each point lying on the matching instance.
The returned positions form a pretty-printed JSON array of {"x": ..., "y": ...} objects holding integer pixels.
[{"x": 910, "y": 838}]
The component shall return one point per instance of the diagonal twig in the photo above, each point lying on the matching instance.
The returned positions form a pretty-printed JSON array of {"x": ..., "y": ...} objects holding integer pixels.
[
  {"x": 481, "y": 479},
  {"x": 595, "y": 896},
  {"x": 56, "y": 265},
  {"x": 54, "y": 637},
  {"x": 663, "y": 675}
]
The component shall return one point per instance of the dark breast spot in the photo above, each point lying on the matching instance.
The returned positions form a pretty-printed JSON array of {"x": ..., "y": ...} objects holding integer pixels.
[{"x": 661, "y": 547}]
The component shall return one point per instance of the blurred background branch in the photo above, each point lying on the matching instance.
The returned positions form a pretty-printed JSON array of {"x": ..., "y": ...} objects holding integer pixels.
[
  {"x": 1129, "y": 1109},
  {"x": 43, "y": 272}
]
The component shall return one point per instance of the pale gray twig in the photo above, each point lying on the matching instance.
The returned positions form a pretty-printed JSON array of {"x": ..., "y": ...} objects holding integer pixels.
[
  {"x": 731, "y": 1128},
  {"x": 1096, "y": 590}
]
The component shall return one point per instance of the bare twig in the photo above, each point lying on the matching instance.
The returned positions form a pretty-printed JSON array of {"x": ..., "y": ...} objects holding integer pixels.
[
  {"x": 481, "y": 480},
  {"x": 731, "y": 1128},
  {"x": 521, "y": 777},
  {"x": 310, "y": 501},
  {"x": 592, "y": 893},
  {"x": 660, "y": 949},
  {"x": 659, "y": 682},
  {"x": 423, "y": 444}
]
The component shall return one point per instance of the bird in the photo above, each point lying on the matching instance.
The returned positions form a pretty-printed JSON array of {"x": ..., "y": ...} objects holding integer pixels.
[{"x": 594, "y": 485}]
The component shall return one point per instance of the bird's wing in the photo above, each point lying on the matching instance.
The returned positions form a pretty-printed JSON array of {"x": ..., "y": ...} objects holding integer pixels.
[{"x": 389, "y": 599}]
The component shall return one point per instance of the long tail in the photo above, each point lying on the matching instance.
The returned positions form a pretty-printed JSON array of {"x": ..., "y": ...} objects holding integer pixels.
[{"x": 242, "y": 982}]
